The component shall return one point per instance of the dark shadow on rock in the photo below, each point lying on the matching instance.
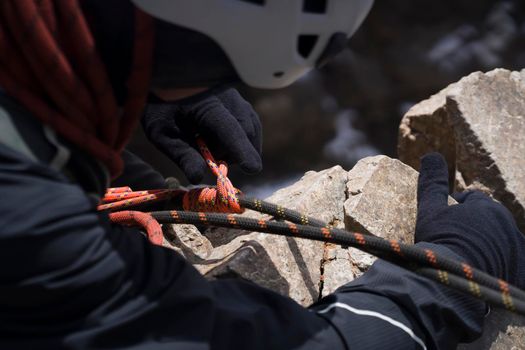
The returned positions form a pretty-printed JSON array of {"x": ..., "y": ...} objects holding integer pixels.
[
  {"x": 219, "y": 236},
  {"x": 312, "y": 288},
  {"x": 251, "y": 262}
]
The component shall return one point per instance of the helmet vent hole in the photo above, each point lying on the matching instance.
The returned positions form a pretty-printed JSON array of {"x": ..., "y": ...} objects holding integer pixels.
[
  {"x": 278, "y": 74},
  {"x": 255, "y": 2},
  {"x": 306, "y": 44},
  {"x": 314, "y": 6}
]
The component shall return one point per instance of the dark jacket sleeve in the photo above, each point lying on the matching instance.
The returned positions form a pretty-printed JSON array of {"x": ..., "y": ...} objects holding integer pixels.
[
  {"x": 70, "y": 279},
  {"x": 392, "y": 308}
]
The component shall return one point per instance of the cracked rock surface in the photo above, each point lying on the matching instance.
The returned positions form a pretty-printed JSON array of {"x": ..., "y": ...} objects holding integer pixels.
[
  {"x": 377, "y": 196},
  {"x": 381, "y": 199},
  {"x": 287, "y": 265}
]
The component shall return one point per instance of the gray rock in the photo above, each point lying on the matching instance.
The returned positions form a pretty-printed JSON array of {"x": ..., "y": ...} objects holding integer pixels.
[
  {"x": 188, "y": 241},
  {"x": 381, "y": 200},
  {"x": 246, "y": 263},
  {"x": 287, "y": 265},
  {"x": 487, "y": 112},
  {"x": 339, "y": 267},
  {"x": 426, "y": 128},
  {"x": 478, "y": 124}
]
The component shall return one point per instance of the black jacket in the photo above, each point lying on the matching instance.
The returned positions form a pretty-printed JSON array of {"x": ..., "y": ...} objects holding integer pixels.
[{"x": 69, "y": 279}]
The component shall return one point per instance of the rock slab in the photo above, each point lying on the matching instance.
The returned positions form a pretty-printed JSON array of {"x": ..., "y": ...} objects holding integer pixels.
[
  {"x": 478, "y": 123},
  {"x": 287, "y": 265},
  {"x": 380, "y": 200}
]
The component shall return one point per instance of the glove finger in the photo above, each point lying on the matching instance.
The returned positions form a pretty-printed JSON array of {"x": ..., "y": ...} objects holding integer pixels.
[
  {"x": 159, "y": 124},
  {"x": 469, "y": 196},
  {"x": 234, "y": 102},
  {"x": 187, "y": 158},
  {"x": 257, "y": 138},
  {"x": 240, "y": 149},
  {"x": 193, "y": 165},
  {"x": 432, "y": 190},
  {"x": 252, "y": 128},
  {"x": 223, "y": 130},
  {"x": 244, "y": 113},
  {"x": 460, "y": 196}
]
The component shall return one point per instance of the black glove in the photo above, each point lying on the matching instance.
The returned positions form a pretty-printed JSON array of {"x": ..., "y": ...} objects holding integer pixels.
[
  {"x": 479, "y": 229},
  {"x": 226, "y": 122}
]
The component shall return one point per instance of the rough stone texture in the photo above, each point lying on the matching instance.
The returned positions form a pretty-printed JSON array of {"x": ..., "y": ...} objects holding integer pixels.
[
  {"x": 425, "y": 128},
  {"x": 378, "y": 203},
  {"x": 487, "y": 112},
  {"x": 478, "y": 123},
  {"x": 340, "y": 265},
  {"x": 187, "y": 240},
  {"x": 381, "y": 200},
  {"x": 377, "y": 196},
  {"x": 287, "y": 265}
]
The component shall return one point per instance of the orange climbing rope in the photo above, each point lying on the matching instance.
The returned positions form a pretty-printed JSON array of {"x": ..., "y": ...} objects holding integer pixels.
[
  {"x": 222, "y": 199},
  {"x": 131, "y": 218}
]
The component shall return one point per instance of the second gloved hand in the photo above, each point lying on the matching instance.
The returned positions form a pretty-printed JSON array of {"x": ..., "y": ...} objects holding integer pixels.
[
  {"x": 478, "y": 228},
  {"x": 227, "y": 123}
]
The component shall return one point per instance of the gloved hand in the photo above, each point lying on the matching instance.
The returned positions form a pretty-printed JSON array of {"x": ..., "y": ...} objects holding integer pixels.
[
  {"x": 227, "y": 123},
  {"x": 478, "y": 228}
]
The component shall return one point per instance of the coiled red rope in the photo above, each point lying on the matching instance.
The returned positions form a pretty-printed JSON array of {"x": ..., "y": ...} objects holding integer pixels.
[{"x": 49, "y": 62}]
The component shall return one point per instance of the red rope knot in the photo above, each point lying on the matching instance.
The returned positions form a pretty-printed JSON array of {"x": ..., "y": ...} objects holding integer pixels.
[{"x": 222, "y": 199}]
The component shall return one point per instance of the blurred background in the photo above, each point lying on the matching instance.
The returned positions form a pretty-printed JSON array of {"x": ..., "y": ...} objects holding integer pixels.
[{"x": 404, "y": 52}]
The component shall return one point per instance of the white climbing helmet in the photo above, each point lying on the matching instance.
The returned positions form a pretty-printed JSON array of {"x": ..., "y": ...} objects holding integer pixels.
[{"x": 271, "y": 43}]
